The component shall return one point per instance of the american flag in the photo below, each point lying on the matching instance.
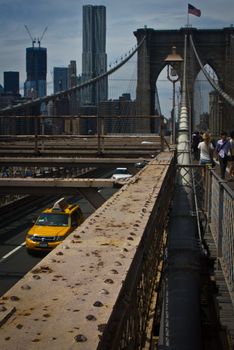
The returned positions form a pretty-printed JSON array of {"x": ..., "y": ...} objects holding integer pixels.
[{"x": 193, "y": 10}]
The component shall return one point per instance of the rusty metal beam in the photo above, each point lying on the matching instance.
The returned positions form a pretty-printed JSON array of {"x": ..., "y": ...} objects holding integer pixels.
[
  {"x": 53, "y": 185},
  {"x": 99, "y": 278},
  {"x": 69, "y": 152},
  {"x": 120, "y": 139},
  {"x": 92, "y": 196},
  {"x": 67, "y": 162}
]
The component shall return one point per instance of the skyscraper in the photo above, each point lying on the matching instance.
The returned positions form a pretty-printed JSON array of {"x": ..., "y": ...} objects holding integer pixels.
[
  {"x": 94, "y": 58},
  {"x": 60, "y": 79},
  {"x": 36, "y": 69},
  {"x": 72, "y": 81},
  {"x": 11, "y": 83},
  {"x": 72, "y": 75}
]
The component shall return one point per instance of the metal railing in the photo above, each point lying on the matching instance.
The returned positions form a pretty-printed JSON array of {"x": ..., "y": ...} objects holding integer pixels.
[
  {"x": 215, "y": 199},
  {"x": 40, "y": 133},
  {"x": 127, "y": 327},
  {"x": 220, "y": 211}
]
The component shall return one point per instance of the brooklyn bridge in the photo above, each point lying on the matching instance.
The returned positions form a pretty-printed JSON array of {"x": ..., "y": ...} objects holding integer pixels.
[{"x": 151, "y": 267}]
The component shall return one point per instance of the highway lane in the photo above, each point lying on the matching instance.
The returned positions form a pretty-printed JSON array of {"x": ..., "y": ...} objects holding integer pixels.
[{"x": 15, "y": 262}]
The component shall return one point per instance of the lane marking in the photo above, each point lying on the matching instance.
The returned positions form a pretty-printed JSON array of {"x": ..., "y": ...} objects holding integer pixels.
[{"x": 12, "y": 252}]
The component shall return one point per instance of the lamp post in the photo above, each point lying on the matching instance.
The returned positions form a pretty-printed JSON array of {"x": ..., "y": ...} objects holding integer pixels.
[{"x": 173, "y": 61}]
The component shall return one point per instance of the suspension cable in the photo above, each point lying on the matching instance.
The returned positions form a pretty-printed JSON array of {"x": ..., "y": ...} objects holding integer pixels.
[
  {"x": 74, "y": 88},
  {"x": 227, "y": 98}
]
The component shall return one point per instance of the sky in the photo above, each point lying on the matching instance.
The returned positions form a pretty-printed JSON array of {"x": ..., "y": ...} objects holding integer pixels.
[{"x": 63, "y": 38}]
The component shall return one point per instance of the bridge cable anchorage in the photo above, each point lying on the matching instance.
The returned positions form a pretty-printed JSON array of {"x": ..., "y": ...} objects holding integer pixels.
[
  {"x": 226, "y": 97},
  {"x": 46, "y": 99}
]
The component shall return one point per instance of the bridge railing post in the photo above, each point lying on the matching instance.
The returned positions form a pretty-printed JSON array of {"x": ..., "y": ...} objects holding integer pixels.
[
  {"x": 208, "y": 193},
  {"x": 161, "y": 125},
  {"x": 102, "y": 134},
  {"x": 35, "y": 135},
  {"x": 98, "y": 135},
  {"x": 220, "y": 220}
]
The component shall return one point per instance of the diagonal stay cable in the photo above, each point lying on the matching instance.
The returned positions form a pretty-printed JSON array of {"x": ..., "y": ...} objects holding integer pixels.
[{"x": 227, "y": 98}]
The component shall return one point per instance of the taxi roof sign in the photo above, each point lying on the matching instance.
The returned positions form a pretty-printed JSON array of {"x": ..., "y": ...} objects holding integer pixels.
[{"x": 61, "y": 204}]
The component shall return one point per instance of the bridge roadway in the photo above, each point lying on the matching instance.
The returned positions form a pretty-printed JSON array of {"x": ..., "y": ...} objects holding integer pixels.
[
  {"x": 76, "y": 145},
  {"x": 83, "y": 294},
  {"x": 15, "y": 262}
]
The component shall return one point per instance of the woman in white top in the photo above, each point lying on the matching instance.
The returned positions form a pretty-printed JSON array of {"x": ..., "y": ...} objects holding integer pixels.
[{"x": 206, "y": 150}]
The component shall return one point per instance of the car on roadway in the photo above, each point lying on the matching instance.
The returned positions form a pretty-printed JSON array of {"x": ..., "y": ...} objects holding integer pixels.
[
  {"x": 141, "y": 164},
  {"x": 121, "y": 173},
  {"x": 53, "y": 225}
]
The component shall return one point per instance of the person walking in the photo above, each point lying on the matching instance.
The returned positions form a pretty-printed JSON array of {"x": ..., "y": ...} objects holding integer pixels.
[
  {"x": 222, "y": 148},
  {"x": 206, "y": 149},
  {"x": 231, "y": 169}
]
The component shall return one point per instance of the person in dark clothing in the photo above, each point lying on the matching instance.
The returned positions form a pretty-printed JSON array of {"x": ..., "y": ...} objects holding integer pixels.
[
  {"x": 231, "y": 142},
  {"x": 222, "y": 150},
  {"x": 196, "y": 138}
]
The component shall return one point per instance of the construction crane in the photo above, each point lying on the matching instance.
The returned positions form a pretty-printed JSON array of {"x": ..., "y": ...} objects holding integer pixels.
[
  {"x": 39, "y": 40},
  {"x": 34, "y": 40}
]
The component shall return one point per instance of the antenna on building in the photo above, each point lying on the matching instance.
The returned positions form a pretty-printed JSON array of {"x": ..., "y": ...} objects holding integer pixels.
[
  {"x": 39, "y": 40},
  {"x": 30, "y": 35}
]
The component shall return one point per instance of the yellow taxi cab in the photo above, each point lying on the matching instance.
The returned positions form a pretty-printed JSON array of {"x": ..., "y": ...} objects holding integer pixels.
[{"x": 53, "y": 225}]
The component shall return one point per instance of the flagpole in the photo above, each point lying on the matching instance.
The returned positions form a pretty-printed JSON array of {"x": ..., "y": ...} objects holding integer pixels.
[{"x": 187, "y": 19}]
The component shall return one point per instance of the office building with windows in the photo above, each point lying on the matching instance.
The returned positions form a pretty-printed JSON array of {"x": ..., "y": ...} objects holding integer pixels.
[
  {"x": 72, "y": 75},
  {"x": 60, "y": 79},
  {"x": 11, "y": 83},
  {"x": 36, "y": 70},
  {"x": 94, "y": 58}
]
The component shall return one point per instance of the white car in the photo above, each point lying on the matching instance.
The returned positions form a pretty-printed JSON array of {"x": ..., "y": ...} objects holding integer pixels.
[{"x": 121, "y": 173}]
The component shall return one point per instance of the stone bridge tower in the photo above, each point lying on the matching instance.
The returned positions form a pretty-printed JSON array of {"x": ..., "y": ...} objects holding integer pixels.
[{"x": 214, "y": 47}]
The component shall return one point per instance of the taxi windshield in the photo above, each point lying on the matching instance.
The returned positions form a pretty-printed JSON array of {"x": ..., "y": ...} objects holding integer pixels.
[{"x": 50, "y": 219}]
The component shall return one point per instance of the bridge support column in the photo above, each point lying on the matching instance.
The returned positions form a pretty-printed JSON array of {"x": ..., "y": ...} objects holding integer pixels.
[
  {"x": 146, "y": 85},
  {"x": 94, "y": 198}
]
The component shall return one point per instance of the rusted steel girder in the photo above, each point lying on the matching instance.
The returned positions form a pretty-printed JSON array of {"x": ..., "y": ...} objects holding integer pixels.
[
  {"x": 51, "y": 185},
  {"x": 87, "y": 187},
  {"x": 67, "y": 161},
  {"x": 94, "y": 290}
]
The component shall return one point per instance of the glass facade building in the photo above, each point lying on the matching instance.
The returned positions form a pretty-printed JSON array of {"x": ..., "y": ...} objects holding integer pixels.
[
  {"x": 36, "y": 69},
  {"x": 94, "y": 58}
]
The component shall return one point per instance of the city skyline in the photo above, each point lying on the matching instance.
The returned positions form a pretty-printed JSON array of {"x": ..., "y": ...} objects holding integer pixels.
[
  {"x": 63, "y": 38},
  {"x": 65, "y": 26}
]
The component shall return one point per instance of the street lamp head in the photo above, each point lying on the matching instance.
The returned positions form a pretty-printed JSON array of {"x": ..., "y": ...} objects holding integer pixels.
[
  {"x": 173, "y": 57},
  {"x": 174, "y": 62}
]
